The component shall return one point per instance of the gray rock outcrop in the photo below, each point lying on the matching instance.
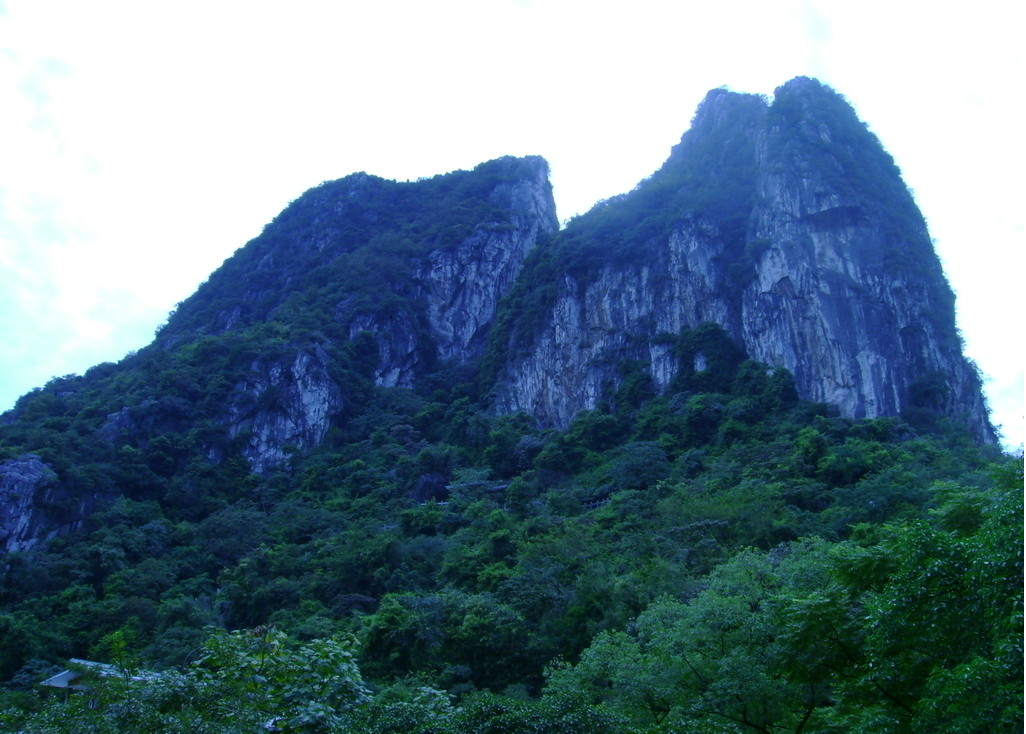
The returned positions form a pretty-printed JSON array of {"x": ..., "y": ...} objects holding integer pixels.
[
  {"x": 455, "y": 293},
  {"x": 27, "y": 487},
  {"x": 831, "y": 273},
  {"x": 283, "y": 405}
]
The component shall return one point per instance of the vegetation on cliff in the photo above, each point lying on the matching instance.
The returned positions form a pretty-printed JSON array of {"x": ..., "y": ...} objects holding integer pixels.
[
  {"x": 709, "y": 555},
  {"x": 721, "y": 557}
]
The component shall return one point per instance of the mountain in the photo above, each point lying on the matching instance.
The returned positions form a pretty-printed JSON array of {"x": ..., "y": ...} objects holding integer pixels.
[
  {"x": 788, "y": 225},
  {"x": 417, "y": 458},
  {"x": 784, "y": 223},
  {"x": 410, "y": 276}
]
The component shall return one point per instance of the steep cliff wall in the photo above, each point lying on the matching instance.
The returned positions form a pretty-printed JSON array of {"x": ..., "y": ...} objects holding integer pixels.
[
  {"x": 603, "y": 318},
  {"x": 788, "y": 225},
  {"x": 784, "y": 222},
  {"x": 419, "y": 268},
  {"x": 283, "y": 405},
  {"x": 848, "y": 293},
  {"x": 33, "y": 506},
  {"x": 450, "y": 299}
]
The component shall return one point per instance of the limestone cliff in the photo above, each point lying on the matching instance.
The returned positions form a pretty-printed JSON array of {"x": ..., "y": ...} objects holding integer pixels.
[
  {"x": 418, "y": 268},
  {"x": 283, "y": 405},
  {"x": 784, "y": 222},
  {"x": 787, "y": 224},
  {"x": 33, "y": 506}
]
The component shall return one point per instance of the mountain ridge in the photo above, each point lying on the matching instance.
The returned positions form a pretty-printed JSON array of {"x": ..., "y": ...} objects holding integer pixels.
[
  {"x": 783, "y": 222},
  {"x": 415, "y": 434},
  {"x": 761, "y": 208}
]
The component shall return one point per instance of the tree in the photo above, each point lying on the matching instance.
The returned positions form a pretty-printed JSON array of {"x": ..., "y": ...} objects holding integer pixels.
[
  {"x": 242, "y": 681},
  {"x": 941, "y": 646},
  {"x": 466, "y": 640},
  {"x": 720, "y": 662}
]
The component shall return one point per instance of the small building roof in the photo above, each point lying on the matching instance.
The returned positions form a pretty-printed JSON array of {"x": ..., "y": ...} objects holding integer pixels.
[{"x": 65, "y": 678}]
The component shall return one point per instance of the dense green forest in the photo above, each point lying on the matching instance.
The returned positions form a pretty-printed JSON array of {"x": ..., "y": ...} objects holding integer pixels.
[{"x": 719, "y": 558}]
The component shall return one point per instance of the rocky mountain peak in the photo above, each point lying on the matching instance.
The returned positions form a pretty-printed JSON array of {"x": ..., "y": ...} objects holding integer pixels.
[
  {"x": 782, "y": 225},
  {"x": 723, "y": 107},
  {"x": 787, "y": 224}
]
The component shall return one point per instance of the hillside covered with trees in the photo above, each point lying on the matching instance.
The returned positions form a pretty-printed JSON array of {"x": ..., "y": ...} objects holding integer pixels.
[
  {"x": 416, "y": 459},
  {"x": 723, "y": 557}
]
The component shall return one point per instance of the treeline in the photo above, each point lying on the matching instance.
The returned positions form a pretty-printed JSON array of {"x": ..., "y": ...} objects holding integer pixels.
[
  {"x": 722, "y": 557},
  {"x": 909, "y": 626}
]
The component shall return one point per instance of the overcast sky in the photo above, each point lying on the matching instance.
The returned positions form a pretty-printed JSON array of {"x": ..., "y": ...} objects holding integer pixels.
[{"x": 141, "y": 143}]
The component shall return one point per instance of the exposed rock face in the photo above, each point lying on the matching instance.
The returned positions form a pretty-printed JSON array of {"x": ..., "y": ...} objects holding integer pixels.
[
  {"x": 830, "y": 274},
  {"x": 595, "y": 325},
  {"x": 27, "y": 487},
  {"x": 463, "y": 286},
  {"x": 455, "y": 292},
  {"x": 424, "y": 295},
  {"x": 848, "y": 294},
  {"x": 283, "y": 405}
]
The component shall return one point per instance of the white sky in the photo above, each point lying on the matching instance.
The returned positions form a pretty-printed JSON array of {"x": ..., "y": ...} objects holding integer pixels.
[{"x": 142, "y": 143}]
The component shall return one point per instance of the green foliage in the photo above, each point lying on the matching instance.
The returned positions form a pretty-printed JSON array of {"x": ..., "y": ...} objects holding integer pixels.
[
  {"x": 462, "y": 641},
  {"x": 917, "y": 630},
  {"x": 242, "y": 681},
  {"x": 943, "y": 622},
  {"x": 297, "y": 686},
  {"x": 720, "y": 557},
  {"x": 718, "y": 658},
  {"x": 468, "y": 551}
]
